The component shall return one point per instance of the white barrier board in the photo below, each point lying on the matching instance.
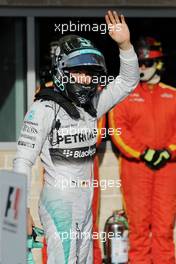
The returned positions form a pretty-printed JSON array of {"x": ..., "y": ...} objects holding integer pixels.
[{"x": 12, "y": 218}]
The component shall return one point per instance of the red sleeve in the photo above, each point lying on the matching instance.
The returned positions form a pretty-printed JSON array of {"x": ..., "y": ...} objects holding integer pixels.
[
  {"x": 171, "y": 144},
  {"x": 101, "y": 126},
  {"x": 122, "y": 136}
]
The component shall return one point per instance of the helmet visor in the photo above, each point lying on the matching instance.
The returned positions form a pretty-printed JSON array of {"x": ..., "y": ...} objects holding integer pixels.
[
  {"x": 146, "y": 62},
  {"x": 86, "y": 59}
]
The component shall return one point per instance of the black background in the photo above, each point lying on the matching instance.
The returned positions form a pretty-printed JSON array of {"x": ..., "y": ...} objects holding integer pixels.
[{"x": 164, "y": 29}]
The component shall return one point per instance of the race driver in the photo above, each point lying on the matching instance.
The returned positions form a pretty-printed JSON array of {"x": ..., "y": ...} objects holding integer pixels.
[
  {"x": 101, "y": 126},
  {"x": 148, "y": 161},
  {"x": 60, "y": 127}
]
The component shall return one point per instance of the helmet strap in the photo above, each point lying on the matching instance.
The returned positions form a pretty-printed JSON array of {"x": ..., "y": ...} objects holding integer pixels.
[{"x": 59, "y": 85}]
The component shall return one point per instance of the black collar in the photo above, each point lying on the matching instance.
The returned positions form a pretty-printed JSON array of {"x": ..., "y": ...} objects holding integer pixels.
[{"x": 49, "y": 94}]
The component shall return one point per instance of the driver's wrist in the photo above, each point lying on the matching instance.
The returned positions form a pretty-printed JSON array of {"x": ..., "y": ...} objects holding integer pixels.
[{"x": 125, "y": 45}]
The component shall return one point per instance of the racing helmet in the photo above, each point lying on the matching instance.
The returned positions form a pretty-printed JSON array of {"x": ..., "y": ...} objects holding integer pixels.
[
  {"x": 76, "y": 53},
  {"x": 150, "y": 54}
]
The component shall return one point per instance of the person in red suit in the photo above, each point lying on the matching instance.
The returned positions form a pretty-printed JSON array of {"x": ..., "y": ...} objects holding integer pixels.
[{"x": 147, "y": 144}]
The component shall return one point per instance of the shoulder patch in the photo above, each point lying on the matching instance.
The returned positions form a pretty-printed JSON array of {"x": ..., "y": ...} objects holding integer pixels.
[
  {"x": 134, "y": 94},
  {"x": 167, "y": 95}
]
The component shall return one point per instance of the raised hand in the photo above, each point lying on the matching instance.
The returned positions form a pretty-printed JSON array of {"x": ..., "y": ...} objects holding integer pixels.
[{"x": 118, "y": 29}]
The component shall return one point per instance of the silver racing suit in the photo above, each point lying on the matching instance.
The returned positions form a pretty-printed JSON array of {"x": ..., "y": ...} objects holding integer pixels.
[{"x": 66, "y": 147}]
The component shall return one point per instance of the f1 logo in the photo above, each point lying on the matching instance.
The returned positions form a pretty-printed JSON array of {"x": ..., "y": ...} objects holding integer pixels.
[{"x": 12, "y": 204}]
